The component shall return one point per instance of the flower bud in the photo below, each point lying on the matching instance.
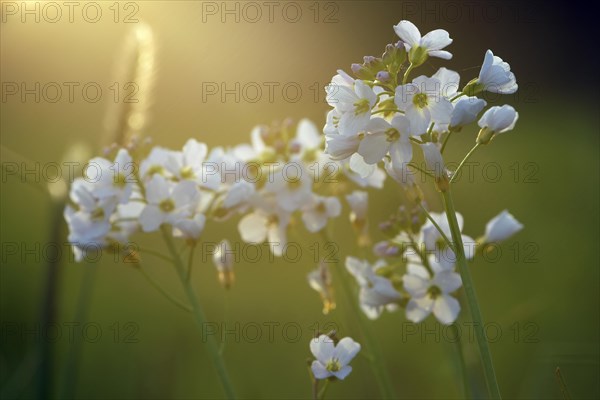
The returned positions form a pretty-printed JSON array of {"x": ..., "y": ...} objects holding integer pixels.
[
  {"x": 496, "y": 120},
  {"x": 383, "y": 76},
  {"x": 501, "y": 227},
  {"x": 361, "y": 72}
]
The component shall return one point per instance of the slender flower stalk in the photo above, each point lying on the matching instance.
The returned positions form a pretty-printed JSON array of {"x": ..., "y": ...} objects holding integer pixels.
[
  {"x": 211, "y": 344},
  {"x": 463, "y": 267},
  {"x": 382, "y": 376},
  {"x": 464, "y": 160}
]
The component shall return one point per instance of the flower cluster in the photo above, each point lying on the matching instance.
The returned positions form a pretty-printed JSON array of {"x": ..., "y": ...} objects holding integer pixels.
[
  {"x": 382, "y": 115},
  {"x": 416, "y": 268},
  {"x": 281, "y": 173}
]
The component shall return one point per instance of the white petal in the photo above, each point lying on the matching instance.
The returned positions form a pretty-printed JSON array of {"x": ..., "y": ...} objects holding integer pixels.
[
  {"x": 501, "y": 227},
  {"x": 447, "y": 281},
  {"x": 436, "y": 39},
  {"x": 308, "y": 135},
  {"x": 373, "y": 147},
  {"x": 322, "y": 348},
  {"x": 253, "y": 228},
  {"x": 443, "y": 54},
  {"x": 151, "y": 218},
  {"x": 415, "y": 313},
  {"x": 408, "y": 32},
  {"x": 446, "y": 309},
  {"x": 415, "y": 285},
  {"x": 346, "y": 350},
  {"x": 319, "y": 370},
  {"x": 343, "y": 372},
  {"x": 358, "y": 165}
]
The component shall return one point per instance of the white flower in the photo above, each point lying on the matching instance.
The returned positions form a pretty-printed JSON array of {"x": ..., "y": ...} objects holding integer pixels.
[
  {"x": 495, "y": 75},
  {"x": 431, "y": 294},
  {"x": 292, "y": 186},
  {"x": 434, "y": 243},
  {"x": 266, "y": 223},
  {"x": 499, "y": 119},
  {"x": 318, "y": 211},
  {"x": 501, "y": 227},
  {"x": 423, "y": 103},
  {"x": 359, "y": 203},
  {"x": 449, "y": 82},
  {"x": 224, "y": 258},
  {"x": 167, "y": 202},
  {"x": 238, "y": 195},
  {"x": 125, "y": 220},
  {"x": 341, "y": 147},
  {"x": 308, "y": 139},
  {"x": 432, "y": 43},
  {"x": 114, "y": 178},
  {"x": 331, "y": 359},
  {"x": 433, "y": 159},
  {"x": 376, "y": 292},
  {"x": 384, "y": 137},
  {"x": 89, "y": 224},
  {"x": 354, "y": 104},
  {"x": 189, "y": 164},
  {"x": 156, "y": 163},
  {"x": 465, "y": 111},
  {"x": 189, "y": 228}
]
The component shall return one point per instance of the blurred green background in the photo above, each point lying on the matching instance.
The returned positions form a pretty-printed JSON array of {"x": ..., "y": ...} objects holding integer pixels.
[{"x": 543, "y": 292}]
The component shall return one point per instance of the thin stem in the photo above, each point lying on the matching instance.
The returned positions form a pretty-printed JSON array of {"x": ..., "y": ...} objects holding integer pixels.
[
  {"x": 321, "y": 394},
  {"x": 371, "y": 346},
  {"x": 469, "y": 154},
  {"x": 163, "y": 291},
  {"x": 445, "y": 142},
  {"x": 415, "y": 140},
  {"x": 430, "y": 218},
  {"x": 408, "y": 70},
  {"x": 415, "y": 166},
  {"x": 156, "y": 254},
  {"x": 463, "y": 365},
  {"x": 83, "y": 304},
  {"x": 465, "y": 274},
  {"x": 457, "y": 96},
  {"x": 190, "y": 262},
  {"x": 211, "y": 344}
]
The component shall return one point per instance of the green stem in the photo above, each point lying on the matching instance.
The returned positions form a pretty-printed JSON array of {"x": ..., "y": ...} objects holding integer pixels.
[
  {"x": 167, "y": 295},
  {"x": 321, "y": 394},
  {"x": 445, "y": 142},
  {"x": 371, "y": 346},
  {"x": 190, "y": 262},
  {"x": 430, "y": 218},
  {"x": 71, "y": 369},
  {"x": 408, "y": 70},
  {"x": 415, "y": 166},
  {"x": 465, "y": 274},
  {"x": 464, "y": 160},
  {"x": 463, "y": 365},
  {"x": 156, "y": 254},
  {"x": 211, "y": 344}
]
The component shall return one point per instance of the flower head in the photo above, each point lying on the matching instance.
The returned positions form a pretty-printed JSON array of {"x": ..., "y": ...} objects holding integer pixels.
[
  {"x": 332, "y": 359},
  {"x": 420, "y": 48},
  {"x": 501, "y": 227}
]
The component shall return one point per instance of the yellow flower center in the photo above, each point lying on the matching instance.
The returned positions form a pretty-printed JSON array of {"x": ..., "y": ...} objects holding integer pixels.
[
  {"x": 420, "y": 100},
  {"x": 167, "y": 205},
  {"x": 333, "y": 365}
]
